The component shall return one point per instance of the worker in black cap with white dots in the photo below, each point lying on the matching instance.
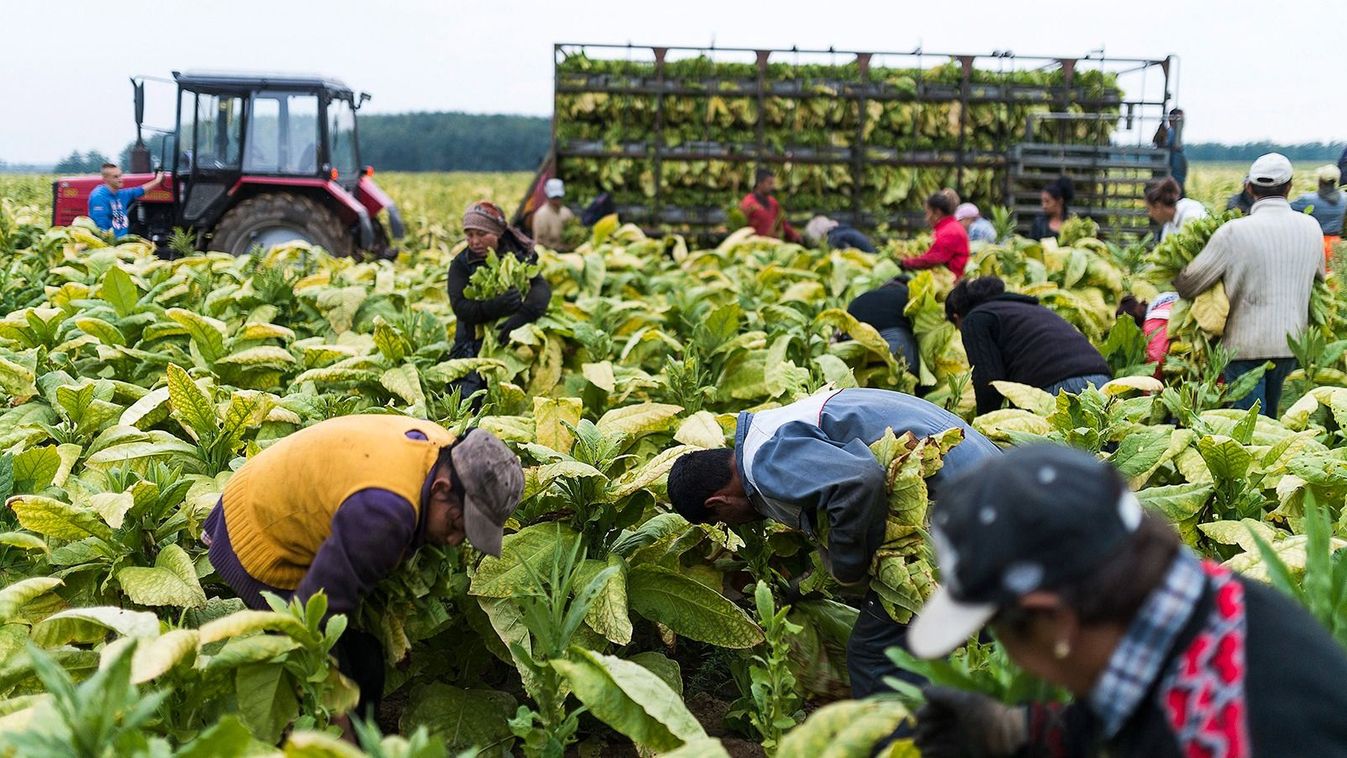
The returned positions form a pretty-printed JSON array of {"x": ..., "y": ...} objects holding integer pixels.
[{"x": 1165, "y": 654}]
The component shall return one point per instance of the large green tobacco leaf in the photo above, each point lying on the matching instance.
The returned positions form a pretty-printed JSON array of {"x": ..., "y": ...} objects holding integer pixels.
[
  {"x": 1140, "y": 451},
  {"x": 260, "y": 357},
  {"x": 240, "y": 623},
  {"x": 690, "y": 608},
  {"x": 508, "y": 575},
  {"x": 24, "y": 591},
  {"x": 266, "y": 699},
  {"x": 227, "y": 738},
  {"x": 1002, "y": 425},
  {"x": 159, "y": 446},
  {"x": 339, "y": 306},
  {"x": 119, "y": 291},
  {"x": 634, "y": 421},
  {"x": 148, "y": 410},
  {"x": 172, "y": 581},
  {"x": 58, "y": 519},
  {"x": 154, "y": 658},
  {"x": 190, "y": 404},
  {"x": 259, "y": 648},
  {"x": 652, "y": 474},
  {"x": 848, "y": 728},
  {"x": 1023, "y": 396},
  {"x": 1226, "y": 459},
  {"x": 36, "y": 468},
  {"x": 607, "y": 615},
  {"x": 1179, "y": 501},
  {"x": 461, "y": 718},
  {"x": 553, "y": 419},
  {"x": 208, "y": 334},
  {"x": 629, "y": 698},
  {"x": 18, "y": 381},
  {"x": 93, "y": 625}
]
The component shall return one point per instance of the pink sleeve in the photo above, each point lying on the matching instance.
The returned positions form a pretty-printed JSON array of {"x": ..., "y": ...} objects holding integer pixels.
[
  {"x": 1157, "y": 344},
  {"x": 941, "y": 253}
]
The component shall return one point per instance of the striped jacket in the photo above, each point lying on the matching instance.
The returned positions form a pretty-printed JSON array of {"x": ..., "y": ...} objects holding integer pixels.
[{"x": 1268, "y": 262}]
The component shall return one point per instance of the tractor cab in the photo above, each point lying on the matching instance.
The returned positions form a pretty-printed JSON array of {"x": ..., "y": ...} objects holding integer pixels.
[{"x": 259, "y": 160}]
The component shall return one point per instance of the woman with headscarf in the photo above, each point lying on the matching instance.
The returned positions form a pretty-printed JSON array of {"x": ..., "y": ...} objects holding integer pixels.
[
  {"x": 1056, "y": 201},
  {"x": 486, "y": 229}
]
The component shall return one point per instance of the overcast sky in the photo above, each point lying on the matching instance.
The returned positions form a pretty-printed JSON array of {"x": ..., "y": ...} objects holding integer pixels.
[{"x": 1250, "y": 69}]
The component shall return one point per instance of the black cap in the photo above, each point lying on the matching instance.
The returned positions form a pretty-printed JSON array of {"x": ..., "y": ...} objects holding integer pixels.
[{"x": 1035, "y": 518}]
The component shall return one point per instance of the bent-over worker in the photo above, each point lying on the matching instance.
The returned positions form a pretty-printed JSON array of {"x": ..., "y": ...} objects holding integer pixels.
[
  {"x": 811, "y": 459},
  {"x": 883, "y": 308},
  {"x": 338, "y": 505},
  {"x": 1167, "y": 655},
  {"x": 1012, "y": 337}
]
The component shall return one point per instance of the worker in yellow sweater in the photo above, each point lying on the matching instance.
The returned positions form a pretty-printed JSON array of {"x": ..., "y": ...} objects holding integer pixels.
[{"x": 337, "y": 506}]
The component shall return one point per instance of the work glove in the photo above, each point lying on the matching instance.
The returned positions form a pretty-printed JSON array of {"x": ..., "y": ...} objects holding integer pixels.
[
  {"x": 958, "y": 724},
  {"x": 509, "y": 325},
  {"x": 504, "y": 305}
]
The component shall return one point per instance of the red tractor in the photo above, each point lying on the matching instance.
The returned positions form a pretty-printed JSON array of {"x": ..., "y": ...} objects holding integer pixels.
[{"x": 256, "y": 160}]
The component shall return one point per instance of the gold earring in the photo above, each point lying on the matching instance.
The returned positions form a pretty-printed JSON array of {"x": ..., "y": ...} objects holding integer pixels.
[{"x": 1061, "y": 650}]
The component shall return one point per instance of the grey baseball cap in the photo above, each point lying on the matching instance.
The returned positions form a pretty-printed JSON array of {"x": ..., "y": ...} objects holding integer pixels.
[{"x": 492, "y": 481}]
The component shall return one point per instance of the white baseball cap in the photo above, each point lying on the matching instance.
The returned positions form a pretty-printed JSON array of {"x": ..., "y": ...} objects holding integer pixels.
[
  {"x": 1328, "y": 174},
  {"x": 1270, "y": 170},
  {"x": 554, "y": 188},
  {"x": 966, "y": 210}
]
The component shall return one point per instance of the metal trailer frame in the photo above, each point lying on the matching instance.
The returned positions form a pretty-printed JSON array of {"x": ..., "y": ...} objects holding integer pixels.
[{"x": 1112, "y": 175}]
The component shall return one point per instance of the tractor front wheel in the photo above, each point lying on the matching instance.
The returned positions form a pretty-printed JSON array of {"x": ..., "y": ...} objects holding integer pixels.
[{"x": 276, "y": 218}]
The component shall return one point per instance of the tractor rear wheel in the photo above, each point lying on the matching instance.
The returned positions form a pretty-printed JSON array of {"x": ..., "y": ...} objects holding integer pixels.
[{"x": 275, "y": 218}]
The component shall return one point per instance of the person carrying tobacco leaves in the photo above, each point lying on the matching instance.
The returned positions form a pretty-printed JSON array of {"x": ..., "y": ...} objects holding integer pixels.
[
  {"x": 1166, "y": 654},
  {"x": 487, "y": 231},
  {"x": 809, "y": 465},
  {"x": 338, "y": 505}
]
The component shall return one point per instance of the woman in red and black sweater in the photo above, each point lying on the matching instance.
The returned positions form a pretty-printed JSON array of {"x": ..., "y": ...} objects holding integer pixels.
[{"x": 950, "y": 246}]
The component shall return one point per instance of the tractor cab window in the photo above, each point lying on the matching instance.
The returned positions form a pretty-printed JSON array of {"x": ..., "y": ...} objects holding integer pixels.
[
  {"x": 211, "y": 130},
  {"x": 283, "y": 134},
  {"x": 341, "y": 136}
]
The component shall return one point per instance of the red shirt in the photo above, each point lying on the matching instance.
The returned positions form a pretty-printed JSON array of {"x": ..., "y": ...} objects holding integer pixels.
[
  {"x": 768, "y": 221},
  {"x": 950, "y": 248}
]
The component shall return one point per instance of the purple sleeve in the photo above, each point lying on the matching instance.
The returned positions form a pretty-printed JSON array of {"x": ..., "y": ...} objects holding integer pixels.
[{"x": 371, "y": 532}]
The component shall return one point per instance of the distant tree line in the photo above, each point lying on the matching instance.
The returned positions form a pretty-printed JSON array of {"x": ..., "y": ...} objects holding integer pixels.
[
  {"x": 473, "y": 142},
  {"x": 454, "y": 142},
  {"x": 434, "y": 142},
  {"x": 81, "y": 163},
  {"x": 1326, "y": 152}
]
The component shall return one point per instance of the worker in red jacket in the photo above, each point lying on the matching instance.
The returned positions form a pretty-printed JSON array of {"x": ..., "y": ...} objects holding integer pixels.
[
  {"x": 763, "y": 211},
  {"x": 950, "y": 246}
]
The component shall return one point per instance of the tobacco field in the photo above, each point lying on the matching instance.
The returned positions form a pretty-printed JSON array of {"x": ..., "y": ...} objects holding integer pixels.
[{"x": 134, "y": 386}]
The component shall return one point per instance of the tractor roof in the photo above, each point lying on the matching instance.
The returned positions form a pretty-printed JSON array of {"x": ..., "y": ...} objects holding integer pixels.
[{"x": 256, "y": 80}]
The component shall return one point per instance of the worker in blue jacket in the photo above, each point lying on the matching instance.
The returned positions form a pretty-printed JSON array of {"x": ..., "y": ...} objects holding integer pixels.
[
  {"x": 812, "y": 457},
  {"x": 108, "y": 201}
]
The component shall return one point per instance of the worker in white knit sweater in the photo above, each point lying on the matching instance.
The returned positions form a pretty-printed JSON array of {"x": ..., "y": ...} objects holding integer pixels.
[{"x": 1268, "y": 262}]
